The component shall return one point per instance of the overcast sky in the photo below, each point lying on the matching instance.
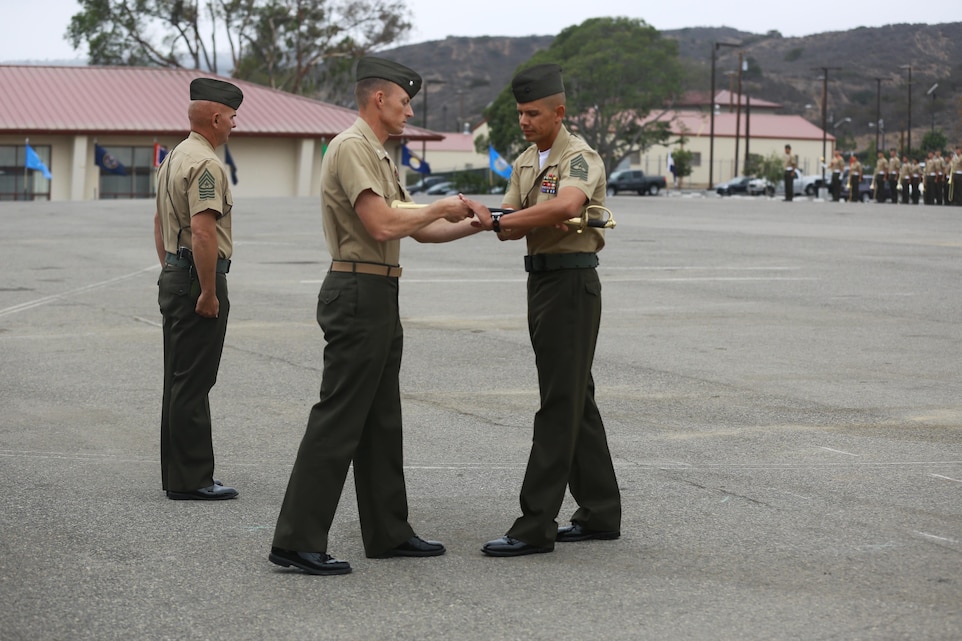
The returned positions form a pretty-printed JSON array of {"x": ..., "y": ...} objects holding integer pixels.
[{"x": 33, "y": 29}]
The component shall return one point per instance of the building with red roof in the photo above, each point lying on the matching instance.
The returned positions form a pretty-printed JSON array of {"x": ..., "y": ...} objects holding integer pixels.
[
  {"x": 65, "y": 113},
  {"x": 757, "y": 130}
]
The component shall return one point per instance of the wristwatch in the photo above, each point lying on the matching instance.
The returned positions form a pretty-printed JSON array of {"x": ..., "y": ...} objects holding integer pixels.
[{"x": 496, "y": 223}]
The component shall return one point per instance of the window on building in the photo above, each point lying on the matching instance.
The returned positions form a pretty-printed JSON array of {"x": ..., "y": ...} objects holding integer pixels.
[
  {"x": 19, "y": 183},
  {"x": 696, "y": 159},
  {"x": 138, "y": 163}
]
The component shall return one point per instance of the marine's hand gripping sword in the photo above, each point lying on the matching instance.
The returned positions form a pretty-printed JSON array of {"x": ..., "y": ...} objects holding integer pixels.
[{"x": 605, "y": 221}]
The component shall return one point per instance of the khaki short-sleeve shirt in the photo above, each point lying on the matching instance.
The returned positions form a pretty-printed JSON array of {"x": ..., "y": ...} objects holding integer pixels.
[
  {"x": 191, "y": 180},
  {"x": 571, "y": 163},
  {"x": 355, "y": 162}
]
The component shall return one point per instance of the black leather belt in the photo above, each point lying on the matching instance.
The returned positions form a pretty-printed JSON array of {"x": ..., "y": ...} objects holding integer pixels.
[
  {"x": 223, "y": 264},
  {"x": 553, "y": 262}
]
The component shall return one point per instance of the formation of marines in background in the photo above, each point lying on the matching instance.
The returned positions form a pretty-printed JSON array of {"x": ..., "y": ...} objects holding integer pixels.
[{"x": 936, "y": 181}]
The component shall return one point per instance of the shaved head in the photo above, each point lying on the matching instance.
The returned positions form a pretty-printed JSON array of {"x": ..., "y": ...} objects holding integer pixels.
[{"x": 212, "y": 120}]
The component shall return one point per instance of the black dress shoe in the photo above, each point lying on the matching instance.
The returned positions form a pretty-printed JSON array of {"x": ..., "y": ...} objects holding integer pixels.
[
  {"x": 575, "y": 532},
  {"x": 213, "y": 493},
  {"x": 310, "y": 562},
  {"x": 507, "y": 546},
  {"x": 415, "y": 546}
]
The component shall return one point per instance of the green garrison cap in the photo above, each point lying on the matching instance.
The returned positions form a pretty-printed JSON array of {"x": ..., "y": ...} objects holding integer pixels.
[
  {"x": 216, "y": 91},
  {"x": 407, "y": 79},
  {"x": 537, "y": 82}
]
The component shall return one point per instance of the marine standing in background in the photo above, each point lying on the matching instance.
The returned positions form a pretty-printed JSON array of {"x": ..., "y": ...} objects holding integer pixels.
[
  {"x": 881, "y": 175},
  {"x": 791, "y": 163},
  {"x": 895, "y": 167},
  {"x": 939, "y": 195},
  {"x": 905, "y": 179},
  {"x": 930, "y": 176},
  {"x": 916, "y": 181},
  {"x": 956, "y": 177},
  {"x": 192, "y": 234},
  {"x": 837, "y": 165},
  {"x": 854, "y": 179}
]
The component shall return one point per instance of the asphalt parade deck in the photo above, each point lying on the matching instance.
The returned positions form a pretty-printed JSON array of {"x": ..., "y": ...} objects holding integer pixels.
[{"x": 780, "y": 384}]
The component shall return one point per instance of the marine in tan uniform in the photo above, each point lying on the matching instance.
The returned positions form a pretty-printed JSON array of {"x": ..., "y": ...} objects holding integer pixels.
[
  {"x": 837, "y": 167},
  {"x": 358, "y": 417},
  {"x": 791, "y": 164},
  {"x": 916, "y": 181},
  {"x": 895, "y": 167},
  {"x": 932, "y": 170},
  {"x": 955, "y": 188},
  {"x": 905, "y": 179},
  {"x": 881, "y": 176},
  {"x": 854, "y": 179},
  {"x": 556, "y": 178},
  {"x": 940, "y": 178},
  {"x": 192, "y": 234}
]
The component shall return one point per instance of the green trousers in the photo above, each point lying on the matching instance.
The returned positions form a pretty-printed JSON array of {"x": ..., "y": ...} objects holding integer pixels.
[
  {"x": 358, "y": 418},
  {"x": 569, "y": 447},
  {"x": 192, "y": 351}
]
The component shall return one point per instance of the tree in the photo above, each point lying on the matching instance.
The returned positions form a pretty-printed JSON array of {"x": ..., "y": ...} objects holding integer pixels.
[
  {"x": 934, "y": 140},
  {"x": 620, "y": 76},
  {"x": 281, "y": 43},
  {"x": 682, "y": 159}
]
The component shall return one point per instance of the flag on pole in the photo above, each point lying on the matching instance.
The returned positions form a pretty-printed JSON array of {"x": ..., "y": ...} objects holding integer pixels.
[
  {"x": 160, "y": 152},
  {"x": 230, "y": 163},
  {"x": 414, "y": 162},
  {"x": 33, "y": 162},
  {"x": 107, "y": 162},
  {"x": 498, "y": 164}
]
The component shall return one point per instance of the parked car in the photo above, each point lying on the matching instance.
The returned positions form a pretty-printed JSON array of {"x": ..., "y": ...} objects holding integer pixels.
[
  {"x": 737, "y": 185},
  {"x": 635, "y": 180},
  {"x": 425, "y": 183},
  {"x": 807, "y": 185},
  {"x": 761, "y": 187},
  {"x": 865, "y": 193},
  {"x": 444, "y": 188},
  {"x": 803, "y": 184}
]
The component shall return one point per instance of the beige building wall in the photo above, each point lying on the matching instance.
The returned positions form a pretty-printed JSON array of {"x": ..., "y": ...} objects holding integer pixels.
[{"x": 266, "y": 166}]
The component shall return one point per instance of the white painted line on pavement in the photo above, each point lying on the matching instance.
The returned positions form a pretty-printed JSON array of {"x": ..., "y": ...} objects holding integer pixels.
[
  {"x": 935, "y": 537},
  {"x": 837, "y": 451},
  {"x": 947, "y": 478},
  {"x": 22, "y": 307}
]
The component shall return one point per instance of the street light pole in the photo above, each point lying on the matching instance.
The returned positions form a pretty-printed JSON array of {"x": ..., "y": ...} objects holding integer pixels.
[
  {"x": 711, "y": 106},
  {"x": 427, "y": 87},
  {"x": 825, "y": 71},
  {"x": 738, "y": 110},
  {"x": 908, "y": 146},
  {"x": 931, "y": 92},
  {"x": 878, "y": 110}
]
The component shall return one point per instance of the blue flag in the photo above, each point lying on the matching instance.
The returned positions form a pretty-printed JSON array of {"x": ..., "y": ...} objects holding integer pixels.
[
  {"x": 230, "y": 163},
  {"x": 107, "y": 162},
  {"x": 33, "y": 162},
  {"x": 160, "y": 152},
  {"x": 412, "y": 161},
  {"x": 498, "y": 164}
]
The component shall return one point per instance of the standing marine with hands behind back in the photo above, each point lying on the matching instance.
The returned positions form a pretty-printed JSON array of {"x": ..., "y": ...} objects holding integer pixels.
[
  {"x": 554, "y": 180},
  {"x": 358, "y": 416},
  {"x": 192, "y": 234}
]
